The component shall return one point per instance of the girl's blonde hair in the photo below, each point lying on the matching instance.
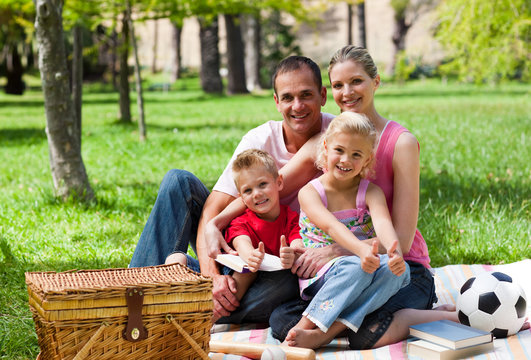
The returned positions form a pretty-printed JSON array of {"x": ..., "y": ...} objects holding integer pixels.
[{"x": 352, "y": 123}]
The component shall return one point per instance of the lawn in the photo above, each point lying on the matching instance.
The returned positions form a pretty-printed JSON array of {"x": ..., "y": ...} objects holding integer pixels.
[{"x": 475, "y": 177}]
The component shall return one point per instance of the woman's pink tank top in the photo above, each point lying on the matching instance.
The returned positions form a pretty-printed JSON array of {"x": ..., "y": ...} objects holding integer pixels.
[{"x": 384, "y": 178}]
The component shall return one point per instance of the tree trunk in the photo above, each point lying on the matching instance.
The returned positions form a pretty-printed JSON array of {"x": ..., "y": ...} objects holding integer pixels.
[
  {"x": 349, "y": 24},
  {"x": 125, "y": 101},
  {"x": 252, "y": 41},
  {"x": 15, "y": 85},
  {"x": 68, "y": 171},
  {"x": 209, "y": 74},
  {"x": 176, "y": 63},
  {"x": 138, "y": 79},
  {"x": 236, "y": 83},
  {"x": 360, "y": 14},
  {"x": 114, "y": 57},
  {"x": 154, "y": 48},
  {"x": 399, "y": 42},
  {"x": 77, "y": 76}
]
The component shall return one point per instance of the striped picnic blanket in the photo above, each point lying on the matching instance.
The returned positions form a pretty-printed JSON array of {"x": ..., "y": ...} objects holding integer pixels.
[{"x": 448, "y": 281}]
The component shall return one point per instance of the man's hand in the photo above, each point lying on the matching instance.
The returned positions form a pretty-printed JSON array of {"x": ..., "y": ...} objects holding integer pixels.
[
  {"x": 223, "y": 293},
  {"x": 256, "y": 258},
  {"x": 311, "y": 261},
  {"x": 396, "y": 263},
  {"x": 287, "y": 253},
  {"x": 215, "y": 241},
  {"x": 370, "y": 261}
]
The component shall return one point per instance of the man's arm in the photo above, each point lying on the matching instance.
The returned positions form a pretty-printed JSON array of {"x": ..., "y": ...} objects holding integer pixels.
[{"x": 224, "y": 286}]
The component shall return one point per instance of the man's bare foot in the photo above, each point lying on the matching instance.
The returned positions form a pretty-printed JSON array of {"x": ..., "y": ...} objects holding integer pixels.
[
  {"x": 174, "y": 258},
  {"x": 310, "y": 339},
  {"x": 445, "y": 307}
]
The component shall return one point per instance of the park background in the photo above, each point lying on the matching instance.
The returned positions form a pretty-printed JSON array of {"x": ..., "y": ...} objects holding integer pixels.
[{"x": 460, "y": 83}]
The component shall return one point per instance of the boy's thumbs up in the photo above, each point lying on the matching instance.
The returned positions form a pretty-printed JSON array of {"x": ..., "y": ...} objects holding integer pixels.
[
  {"x": 283, "y": 242},
  {"x": 261, "y": 247}
]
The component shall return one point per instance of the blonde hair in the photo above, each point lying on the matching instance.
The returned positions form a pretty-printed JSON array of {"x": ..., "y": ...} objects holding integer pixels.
[
  {"x": 351, "y": 123},
  {"x": 253, "y": 157},
  {"x": 357, "y": 54}
]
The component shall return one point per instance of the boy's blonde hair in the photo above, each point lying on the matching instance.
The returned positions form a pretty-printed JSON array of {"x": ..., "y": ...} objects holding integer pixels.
[
  {"x": 352, "y": 123},
  {"x": 252, "y": 157}
]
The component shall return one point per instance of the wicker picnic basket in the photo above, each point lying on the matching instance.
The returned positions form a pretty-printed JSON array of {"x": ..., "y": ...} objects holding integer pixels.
[{"x": 158, "y": 312}]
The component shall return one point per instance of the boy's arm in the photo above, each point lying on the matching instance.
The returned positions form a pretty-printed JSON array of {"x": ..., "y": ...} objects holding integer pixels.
[
  {"x": 253, "y": 257},
  {"x": 213, "y": 228}
]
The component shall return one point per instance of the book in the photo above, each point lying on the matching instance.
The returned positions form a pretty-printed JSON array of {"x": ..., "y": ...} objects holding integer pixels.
[
  {"x": 236, "y": 263},
  {"x": 430, "y": 351},
  {"x": 450, "y": 334}
]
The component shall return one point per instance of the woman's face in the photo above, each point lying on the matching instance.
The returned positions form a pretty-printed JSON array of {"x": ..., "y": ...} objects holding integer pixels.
[{"x": 353, "y": 89}]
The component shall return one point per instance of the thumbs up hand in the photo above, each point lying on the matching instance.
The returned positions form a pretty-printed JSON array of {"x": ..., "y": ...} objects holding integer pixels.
[
  {"x": 256, "y": 257},
  {"x": 287, "y": 254},
  {"x": 396, "y": 263},
  {"x": 370, "y": 261}
]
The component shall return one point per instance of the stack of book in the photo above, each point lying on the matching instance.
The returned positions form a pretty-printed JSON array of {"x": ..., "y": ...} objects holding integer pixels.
[{"x": 446, "y": 339}]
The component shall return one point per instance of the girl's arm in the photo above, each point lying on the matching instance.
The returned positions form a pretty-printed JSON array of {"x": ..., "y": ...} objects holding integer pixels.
[
  {"x": 301, "y": 167},
  {"x": 215, "y": 240},
  {"x": 383, "y": 225},
  {"x": 318, "y": 214},
  {"x": 406, "y": 170}
]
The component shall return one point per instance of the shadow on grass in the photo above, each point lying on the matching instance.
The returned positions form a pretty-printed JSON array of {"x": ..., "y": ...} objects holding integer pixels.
[{"x": 22, "y": 137}]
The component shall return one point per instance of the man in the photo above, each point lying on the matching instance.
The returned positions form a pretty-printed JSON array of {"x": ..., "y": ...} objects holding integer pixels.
[{"x": 184, "y": 205}]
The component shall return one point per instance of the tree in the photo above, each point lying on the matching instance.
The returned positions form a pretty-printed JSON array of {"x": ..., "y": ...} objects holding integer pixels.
[
  {"x": 235, "y": 55},
  {"x": 176, "y": 69},
  {"x": 252, "y": 39},
  {"x": 125, "y": 101},
  {"x": 486, "y": 41},
  {"x": 68, "y": 170},
  {"x": 209, "y": 74},
  {"x": 406, "y": 13}
]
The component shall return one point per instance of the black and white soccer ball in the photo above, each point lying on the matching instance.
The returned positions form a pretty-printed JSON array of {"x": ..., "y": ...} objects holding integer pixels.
[{"x": 493, "y": 302}]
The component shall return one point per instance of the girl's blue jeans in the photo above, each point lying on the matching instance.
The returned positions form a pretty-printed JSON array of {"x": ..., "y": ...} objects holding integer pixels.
[{"x": 348, "y": 293}]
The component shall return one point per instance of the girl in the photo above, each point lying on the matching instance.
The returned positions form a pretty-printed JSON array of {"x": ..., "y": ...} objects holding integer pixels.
[{"x": 346, "y": 288}]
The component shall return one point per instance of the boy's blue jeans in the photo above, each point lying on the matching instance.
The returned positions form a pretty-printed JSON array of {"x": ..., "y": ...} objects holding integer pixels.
[
  {"x": 348, "y": 293},
  {"x": 172, "y": 225}
]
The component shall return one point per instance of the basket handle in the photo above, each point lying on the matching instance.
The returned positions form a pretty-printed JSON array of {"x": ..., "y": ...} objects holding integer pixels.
[
  {"x": 188, "y": 338},
  {"x": 82, "y": 354}
]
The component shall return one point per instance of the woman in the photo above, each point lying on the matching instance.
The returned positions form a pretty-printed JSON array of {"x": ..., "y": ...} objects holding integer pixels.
[{"x": 354, "y": 80}]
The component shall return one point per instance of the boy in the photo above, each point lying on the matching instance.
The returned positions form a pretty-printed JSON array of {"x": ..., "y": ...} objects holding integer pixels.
[{"x": 266, "y": 226}]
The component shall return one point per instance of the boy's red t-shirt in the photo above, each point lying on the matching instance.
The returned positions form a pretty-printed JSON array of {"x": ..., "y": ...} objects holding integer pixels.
[{"x": 268, "y": 232}]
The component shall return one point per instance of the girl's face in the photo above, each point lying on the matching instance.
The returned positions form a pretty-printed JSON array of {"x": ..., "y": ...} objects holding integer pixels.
[
  {"x": 347, "y": 155},
  {"x": 353, "y": 89}
]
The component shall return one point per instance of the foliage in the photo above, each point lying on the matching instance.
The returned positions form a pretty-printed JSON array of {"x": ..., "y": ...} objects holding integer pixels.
[{"x": 486, "y": 41}]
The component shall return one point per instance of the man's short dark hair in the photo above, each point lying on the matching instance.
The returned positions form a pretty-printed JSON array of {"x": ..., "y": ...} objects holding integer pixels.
[{"x": 295, "y": 62}]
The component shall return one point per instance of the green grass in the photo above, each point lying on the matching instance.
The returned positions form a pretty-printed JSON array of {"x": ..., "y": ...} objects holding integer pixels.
[{"x": 475, "y": 177}]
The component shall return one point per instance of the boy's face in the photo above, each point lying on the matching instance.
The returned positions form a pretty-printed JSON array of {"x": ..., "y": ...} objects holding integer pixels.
[{"x": 259, "y": 191}]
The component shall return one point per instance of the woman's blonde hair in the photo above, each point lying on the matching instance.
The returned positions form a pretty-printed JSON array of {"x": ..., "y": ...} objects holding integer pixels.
[
  {"x": 358, "y": 55},
  {"x": 351, "y": 123}
]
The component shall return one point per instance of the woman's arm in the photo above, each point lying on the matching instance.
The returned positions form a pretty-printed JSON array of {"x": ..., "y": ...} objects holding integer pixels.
[
  {"x": 301, "y": 167},
  {"x": 406, "y": 170}
]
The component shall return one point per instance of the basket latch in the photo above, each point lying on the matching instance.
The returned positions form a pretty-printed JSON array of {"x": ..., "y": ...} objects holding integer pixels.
[{"x": 135, "y": 330}]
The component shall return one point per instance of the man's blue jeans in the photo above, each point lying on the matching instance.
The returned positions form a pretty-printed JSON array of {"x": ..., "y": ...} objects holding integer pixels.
[{"x": 172, "y": 226}]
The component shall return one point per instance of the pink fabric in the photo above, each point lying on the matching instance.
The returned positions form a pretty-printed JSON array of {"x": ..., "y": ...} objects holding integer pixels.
[{"x": 384, "y": 178}]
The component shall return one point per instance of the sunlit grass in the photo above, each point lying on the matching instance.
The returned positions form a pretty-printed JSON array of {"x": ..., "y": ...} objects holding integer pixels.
[{"x": 475, "y": 176}]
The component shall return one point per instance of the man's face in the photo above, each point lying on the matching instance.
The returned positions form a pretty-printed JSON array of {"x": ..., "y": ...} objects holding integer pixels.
[{"x": 299, "y": 100}]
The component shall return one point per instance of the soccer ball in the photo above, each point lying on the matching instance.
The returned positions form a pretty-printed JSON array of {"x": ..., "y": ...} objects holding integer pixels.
[{"x": 493, "y": 302}]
